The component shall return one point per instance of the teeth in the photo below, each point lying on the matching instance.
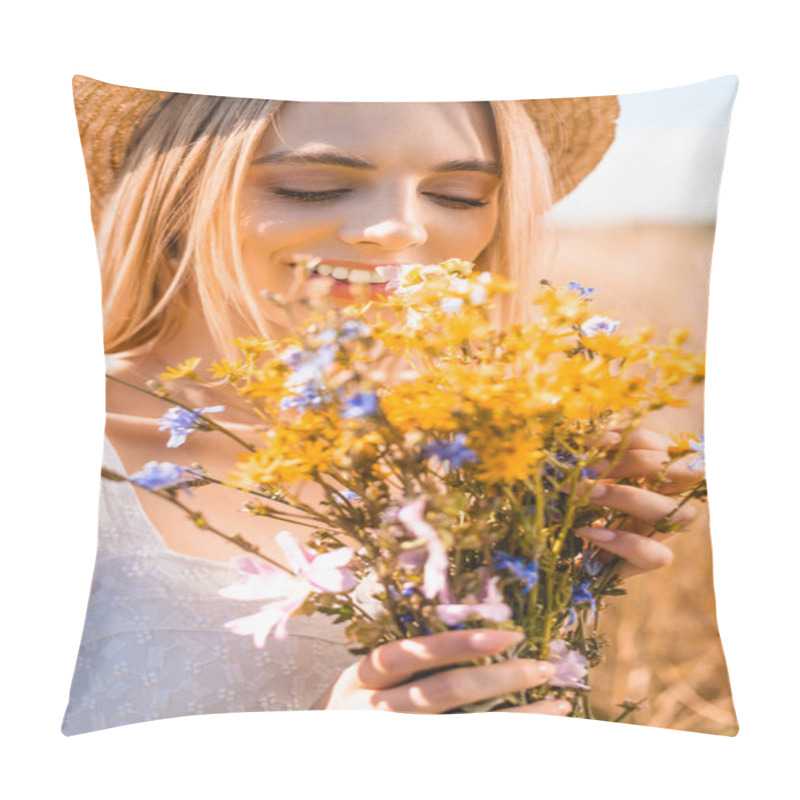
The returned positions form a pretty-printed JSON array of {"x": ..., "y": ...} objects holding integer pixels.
[
  {"x": 353, "y": 275},
  {"x": 360, "y": 276}
]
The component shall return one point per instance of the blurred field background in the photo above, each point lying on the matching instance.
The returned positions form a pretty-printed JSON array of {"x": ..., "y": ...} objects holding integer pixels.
[{"x": 663, "y": 643}]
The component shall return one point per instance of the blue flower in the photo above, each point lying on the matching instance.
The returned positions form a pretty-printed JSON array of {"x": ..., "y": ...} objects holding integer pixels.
[
  {"x": 699, "y": 446},
  {"x": 452, "y": 454},
  {"x": 599, "y": 324},
  {"x": 361, "y": 404},
  {"x": 353, "y": 329},
  {"x": 568, "y": 460},
  {"x": 180, "y": 422},
  {"x": 311, "y": 395},
  {"x": 581, "y": 595},
  {"x": 307, "y": 365},
  {"x": 592, "y": 566},
  {"x": 525, "y": 571},
  {"x": 585, "y": 292},
  {"x": 346, "y": 494},
  {"x": 155, "y": 476}
]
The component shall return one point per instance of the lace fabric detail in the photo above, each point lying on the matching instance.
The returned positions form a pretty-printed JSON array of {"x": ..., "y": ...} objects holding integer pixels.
[{"x": 154, "y": 645}]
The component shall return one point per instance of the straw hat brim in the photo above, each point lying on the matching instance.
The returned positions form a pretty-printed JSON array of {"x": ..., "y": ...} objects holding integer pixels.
[{"x": 575, "y": 131}]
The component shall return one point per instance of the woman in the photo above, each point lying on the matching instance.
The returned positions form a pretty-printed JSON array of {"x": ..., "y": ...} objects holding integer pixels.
[{"x": 200, "y": 204}]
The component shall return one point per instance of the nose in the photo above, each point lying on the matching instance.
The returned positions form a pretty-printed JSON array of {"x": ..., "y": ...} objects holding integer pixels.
[{"x": 392, "y": 223}]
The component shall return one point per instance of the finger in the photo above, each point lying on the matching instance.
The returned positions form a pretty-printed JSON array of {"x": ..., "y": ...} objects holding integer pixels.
[
  {"x": 607, "y": 440},
  {"x": 463, "y": 685},
  {"x": 645, "y": 455},
  {"x": 642, "y": 504},
  {"x": 395, "y": 662},
  {"x": 555, "y": 708},
  {"x": 652, "y": 464},
  {"x": 641, "y": 552},
  {"x": 643, "y": 439}
]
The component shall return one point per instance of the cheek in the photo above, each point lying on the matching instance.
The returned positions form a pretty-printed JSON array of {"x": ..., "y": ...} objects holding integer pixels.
[
  {"x": 272, "y": 227},
  {"x": 468, "y": 235}
]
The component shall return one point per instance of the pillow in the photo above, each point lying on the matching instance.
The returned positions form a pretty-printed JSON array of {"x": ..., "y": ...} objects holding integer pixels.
[{"x": 206, "y": 208}]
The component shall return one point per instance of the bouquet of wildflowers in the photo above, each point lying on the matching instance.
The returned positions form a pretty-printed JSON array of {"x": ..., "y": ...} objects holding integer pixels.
[{"x": 453, "y": 456}]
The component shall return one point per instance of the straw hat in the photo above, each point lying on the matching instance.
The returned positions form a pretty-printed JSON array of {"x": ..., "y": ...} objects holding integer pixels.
[{"x": 576, "y": 132}]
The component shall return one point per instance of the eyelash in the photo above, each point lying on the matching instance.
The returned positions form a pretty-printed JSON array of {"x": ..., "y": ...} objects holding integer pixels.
[{"x": 335, "y": 194}]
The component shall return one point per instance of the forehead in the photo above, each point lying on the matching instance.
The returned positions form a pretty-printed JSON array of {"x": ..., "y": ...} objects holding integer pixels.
[{"x": 432, "y": 130}]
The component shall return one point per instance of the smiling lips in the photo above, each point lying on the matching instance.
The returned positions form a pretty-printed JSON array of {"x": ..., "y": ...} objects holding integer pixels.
[{"x": 348, "y": 271}]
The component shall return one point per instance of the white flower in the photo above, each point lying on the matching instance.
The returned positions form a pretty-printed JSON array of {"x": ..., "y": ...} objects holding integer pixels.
[
  {"x": 599, "y": 324},
  {"x": 314, "y": 572}
]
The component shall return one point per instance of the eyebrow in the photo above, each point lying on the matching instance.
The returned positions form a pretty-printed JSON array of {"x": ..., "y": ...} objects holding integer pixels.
[{"x": 337, "y": 159}]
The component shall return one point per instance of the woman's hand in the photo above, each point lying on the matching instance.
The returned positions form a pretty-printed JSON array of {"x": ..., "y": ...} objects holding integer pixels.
[
  {"x": 644, "y": 456},
  {"x": 384, "y": 679}
]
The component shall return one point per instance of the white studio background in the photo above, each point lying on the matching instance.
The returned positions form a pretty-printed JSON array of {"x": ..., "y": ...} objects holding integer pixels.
[{"x": 409, "y": 50}]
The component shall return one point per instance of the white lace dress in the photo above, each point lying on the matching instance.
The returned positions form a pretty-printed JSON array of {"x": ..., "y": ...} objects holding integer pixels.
[{"x": 154, "y": 645}]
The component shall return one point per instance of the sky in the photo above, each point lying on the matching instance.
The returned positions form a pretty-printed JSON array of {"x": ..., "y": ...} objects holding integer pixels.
[{"x": 666, "y": 160}]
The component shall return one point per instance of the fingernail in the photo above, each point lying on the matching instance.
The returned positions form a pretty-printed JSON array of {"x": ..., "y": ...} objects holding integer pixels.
[
  {"x": 491, "y": 641},
  {"x": 598, "y": 490},
  {"x": 597, "y": 534},
  {"x": 563, "y": 707},
  {"x": 546, "y": 669}
]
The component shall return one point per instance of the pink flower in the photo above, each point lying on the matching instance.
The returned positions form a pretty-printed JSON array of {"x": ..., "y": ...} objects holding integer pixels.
[
  {"x": 570, "y": 666},
  {"x": 491, "y": 606},
  {"x": 314, "y": 572},
  {"x": 434, "y": 582}
]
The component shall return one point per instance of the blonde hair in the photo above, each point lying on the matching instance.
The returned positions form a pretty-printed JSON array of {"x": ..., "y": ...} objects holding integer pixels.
[{"x": 171, "y": 223}]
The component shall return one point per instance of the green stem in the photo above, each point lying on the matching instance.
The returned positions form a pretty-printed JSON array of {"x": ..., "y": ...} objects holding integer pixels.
[
  {"x": 210, "y": 422},
  {"x": 201, "y": 522}
]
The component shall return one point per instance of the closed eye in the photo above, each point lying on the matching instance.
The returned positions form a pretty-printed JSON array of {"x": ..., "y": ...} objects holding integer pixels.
[
  {"x": 455, "y": 202},
  {"x": 310, "y": 197},
  {"x": 304, "y": 196}
]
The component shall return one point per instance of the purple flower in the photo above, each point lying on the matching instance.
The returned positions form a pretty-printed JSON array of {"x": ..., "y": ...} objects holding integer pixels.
[
  {"x": 582, "y": 595},
  {"x": 574, "y": 286},
  {"x": 361, "y": 404},
  {"x": 312, "y": 572},
  {"x": 490, "y": 605},
  {"x": 699, "y": 446},
  {"x": 592, "y": 566},
  {"x": 308, "y": 365},
  {"x": 353, "y": 329},
  {"x": 599, "y": 324},
  {"x": 525, "y": 571},
  {"x": 434, "y": 583},
  {"x": 570, "y": 666},
  {"x": 311, "y": 395},
  {"x": 163, "y": 475},
  {"x": 180, "y": 422},
  {"x": 452, "y": 454}
]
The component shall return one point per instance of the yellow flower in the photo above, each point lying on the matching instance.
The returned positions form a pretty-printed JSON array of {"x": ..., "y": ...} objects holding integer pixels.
[
  {"x": 186, "y": 369},
  {"x": 420, "y": 404},
  {"x": 252, "y": 345},
  {"x": 510, "y": 458},
  {"x": 232, "y": 372}
]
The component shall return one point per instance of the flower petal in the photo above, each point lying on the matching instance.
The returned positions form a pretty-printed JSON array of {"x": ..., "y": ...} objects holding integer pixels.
[
  {"x": 298, "y": 556},
  {"x": 261, "y": 581}
]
